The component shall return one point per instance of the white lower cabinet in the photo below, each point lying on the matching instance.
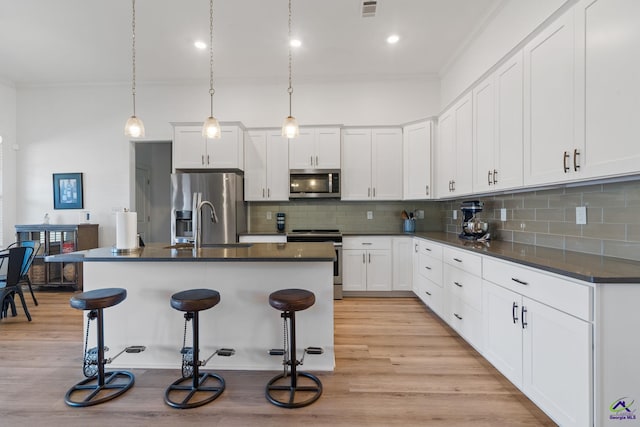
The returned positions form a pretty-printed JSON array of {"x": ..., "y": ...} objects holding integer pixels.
[
  {"x": 402, "y": 264},
  {"x": 427, "y": 274},
  {"x": 544, "y": 351},
  {"x": 366, "y": 264}
]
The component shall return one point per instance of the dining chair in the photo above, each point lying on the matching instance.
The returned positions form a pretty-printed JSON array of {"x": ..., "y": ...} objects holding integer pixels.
[
  {"x": 11, "y": 261},
  {"x": 29, "y": 256}
]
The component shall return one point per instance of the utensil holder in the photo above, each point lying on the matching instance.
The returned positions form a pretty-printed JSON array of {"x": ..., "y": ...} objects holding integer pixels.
[{"x": 409, "y": 226}]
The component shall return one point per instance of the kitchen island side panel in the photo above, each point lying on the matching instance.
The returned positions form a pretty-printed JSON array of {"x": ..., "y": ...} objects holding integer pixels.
[{"x": 243, "y": 319}]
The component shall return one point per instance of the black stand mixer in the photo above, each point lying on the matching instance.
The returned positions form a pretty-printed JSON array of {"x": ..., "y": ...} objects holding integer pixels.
[{"x": 473, "y": 228}]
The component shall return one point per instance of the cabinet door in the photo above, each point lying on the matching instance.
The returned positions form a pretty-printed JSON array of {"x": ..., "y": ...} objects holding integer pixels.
[
  {"x": 277, "y": 167},
  {"x": 402, "y": 264},
  {"x": 255, "y": 173},
  {"x": 301, "y": 150},
  {"x": 189, "y": 148},
  {"x": 502, "y": 330},
  {"x": 445, "y": 167},
  {"x": 464, "y": 146},
  {"x": 327, "y": 148},
  {"x": 484, "y": 135},
  {"x": 356, "y": 164},
  {"x": 354, "y": 270},
  {"x": 549, "y": 76},
  {"x": 609, "y": 42},
  {"x": 225, "y": 152},
  {"x": 378, "y": 270},
  {"x": 557, "y": 363},
  {"x": 386, "y": 164},
  {"x": 417, "y": 161},
  {"x": 508, "y": 146}
]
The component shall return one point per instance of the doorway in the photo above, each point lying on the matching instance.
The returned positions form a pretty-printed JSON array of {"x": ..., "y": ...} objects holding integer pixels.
[{"x": 153, "y": 190}]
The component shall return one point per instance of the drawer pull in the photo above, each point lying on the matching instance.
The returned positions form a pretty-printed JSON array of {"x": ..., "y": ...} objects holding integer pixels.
[
  {"x": 427, "y": 292},
  {"x": 524, "y": 321},
  {"x": 427, "y": 249},
  {"x": 457, "y": 260},
  {"x": 519, "y": 281},
  {"x": 416, "y": 248},
  {"x": 367, "y": 243},
  {"x": 428, "y": 268},
  {"x": 514, "y": 313},
  {"x": 457, "y": 284},
  {"x": 457, "y": 316}
]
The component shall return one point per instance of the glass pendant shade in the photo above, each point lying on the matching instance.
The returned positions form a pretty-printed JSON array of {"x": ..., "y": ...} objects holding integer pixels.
[
  {"x": 211, "y": 128},
  {"x": 290, "y": 127},
  {"x": 134, "y": 127}
]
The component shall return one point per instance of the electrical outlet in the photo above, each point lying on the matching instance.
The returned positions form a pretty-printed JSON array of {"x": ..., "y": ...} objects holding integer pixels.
[
  {"x": 369, "y": 214},
  {"x": 268, "y": 214},
  {"x": 420, "y": 214},
  {"x": 581, "y": 215},
  {"x": 455, "y": 214},
  {"x": 503, "y": 214}
]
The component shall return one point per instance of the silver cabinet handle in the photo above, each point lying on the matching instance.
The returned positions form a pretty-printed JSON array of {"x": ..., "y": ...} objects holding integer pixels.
[
  {"x": 203, "y": 160},
  {"x": 576, "y": 166},
  {"x": 311, "y": 160},
  {"x": 364, "y": 261},
  {"x": 457, "y": 260},
  {"x": 489, "y": 177},
  {"x": 428, "y": 268},
  {"x": 316, "y": 160},
  {"x": 427, "y": 190},
  {"x": 457, "y": 284},
  {"x": 208, "y": 162},
  {"x": 369, "y": 192},
  {"x": 415, "y": 248},
  {"x": 453, "y": 185},
  {"x": 495, "y": 176},
  {"x": 427, "y": 249},
  {"x": 519, "y": 281},
  {"x": 367, "y": 243},
  {"x": 427, "y": 292},
  {"x": 263, "y": 193},
  {"x": 524, "y": 321},
  {"x": 374, "y": 191},
  {"x": 565, "y": 166},
  {"x": 457, "y": 316},
  {"x": 268, "y": 193},
  {"x": 514, "y": 313},
  {"x": 369, "y": 258}
]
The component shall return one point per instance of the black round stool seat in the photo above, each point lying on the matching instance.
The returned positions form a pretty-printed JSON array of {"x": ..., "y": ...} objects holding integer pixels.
[
  {"x": 195, "y": 299},
  {"x": 292, "y": 299},
  {"x": 99, "y": 298}
]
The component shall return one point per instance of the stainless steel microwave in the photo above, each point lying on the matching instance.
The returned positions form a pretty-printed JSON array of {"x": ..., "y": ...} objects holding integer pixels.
[{"x": 309, "y": 183}]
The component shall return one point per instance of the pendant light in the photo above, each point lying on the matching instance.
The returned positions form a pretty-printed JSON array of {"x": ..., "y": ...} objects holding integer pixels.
[
  {"x": 290, "y": 127},
  {"x": 134, "y": 126},
  {"x": 211, "y": 127}
]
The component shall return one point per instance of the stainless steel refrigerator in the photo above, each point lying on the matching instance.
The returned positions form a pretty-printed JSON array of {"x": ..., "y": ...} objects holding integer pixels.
[{"x": 225, "y": 191}]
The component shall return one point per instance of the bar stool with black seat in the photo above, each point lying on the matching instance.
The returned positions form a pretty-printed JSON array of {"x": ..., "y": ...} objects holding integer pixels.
[
  {"x": 99, "y": 386},
  {"x": 192, "y": 385},
  {"x": 291, "y": 394}
]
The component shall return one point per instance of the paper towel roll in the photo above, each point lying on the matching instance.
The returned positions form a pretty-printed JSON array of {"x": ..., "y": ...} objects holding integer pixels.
[{"x": 126, "y": 230}]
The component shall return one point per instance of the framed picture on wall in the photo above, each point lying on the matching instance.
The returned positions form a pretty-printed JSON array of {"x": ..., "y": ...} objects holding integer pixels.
[{"x": 67, "y": 191}]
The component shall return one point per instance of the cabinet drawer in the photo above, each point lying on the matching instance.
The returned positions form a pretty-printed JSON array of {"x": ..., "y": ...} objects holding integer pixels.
[
  {"x": 430, "y": 294},
  {"x": 464, "y": 260},
  {"x": 366, "y": 243},
  {"x": 466, "y": 320},
  {"x": 464, "y": 286},
  {"x": 429, "y": 248},
  {"x": 430, "y": 268},
  {"x": 567, "y": 296}
]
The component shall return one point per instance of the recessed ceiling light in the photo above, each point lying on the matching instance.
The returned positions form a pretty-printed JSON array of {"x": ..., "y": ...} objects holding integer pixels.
[
  {"x": 295, "y": 43},
  {"x": 200, "y": 44},
  {"x": 392, "y": 39}
]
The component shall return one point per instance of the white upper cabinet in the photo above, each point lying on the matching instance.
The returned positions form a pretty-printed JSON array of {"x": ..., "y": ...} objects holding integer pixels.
[
  {"x": 552, "y": 140},
  {"x": 191, "y": 150},
  {"x": 315, "y": 148},
  {"x": 608, "y": 34},
  {"x": 454, "y": 149},
  {"x": 497, "y": 126},
  {"x": 266, "y": 175},
  {"x": 417, "y": 161},
  {"x": 371, "y": 164}
]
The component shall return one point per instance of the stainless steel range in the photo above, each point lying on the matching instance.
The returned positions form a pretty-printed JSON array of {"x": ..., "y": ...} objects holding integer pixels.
[{"x": 319, "y": 235}]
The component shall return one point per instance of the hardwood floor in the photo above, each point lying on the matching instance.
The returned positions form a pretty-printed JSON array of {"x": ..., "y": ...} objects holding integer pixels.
[{"x": 396, "y": 364}]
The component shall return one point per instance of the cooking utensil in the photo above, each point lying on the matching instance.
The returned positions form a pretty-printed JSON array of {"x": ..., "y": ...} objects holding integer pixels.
[{"x": 405, "y": 215}]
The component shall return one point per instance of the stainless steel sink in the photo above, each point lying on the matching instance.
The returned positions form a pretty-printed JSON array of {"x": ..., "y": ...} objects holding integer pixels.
[{"x": 189, "y": 246}]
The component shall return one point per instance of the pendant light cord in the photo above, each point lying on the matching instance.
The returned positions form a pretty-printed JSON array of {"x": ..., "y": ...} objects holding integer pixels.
[
  {"x": 133, "y": 54},
  {"x": 211, "y": 90},
  {"x": 290, "y": 89}
]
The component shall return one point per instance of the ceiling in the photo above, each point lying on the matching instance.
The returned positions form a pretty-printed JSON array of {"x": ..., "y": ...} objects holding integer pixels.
[{"x": 89, "y": 41}]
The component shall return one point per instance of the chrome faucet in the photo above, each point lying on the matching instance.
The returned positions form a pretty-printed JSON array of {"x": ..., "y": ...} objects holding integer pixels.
[{"x": 198, "y": 204}]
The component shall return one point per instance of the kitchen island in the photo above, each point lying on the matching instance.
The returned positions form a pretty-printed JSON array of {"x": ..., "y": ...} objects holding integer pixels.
[{"x": 244, "y": 274}]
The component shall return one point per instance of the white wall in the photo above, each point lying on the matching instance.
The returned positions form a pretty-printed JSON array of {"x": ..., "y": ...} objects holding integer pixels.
[
  {"x": 512, "y": 22},
  {"x": 80, "y": 129},
  {"x": 8, "y": 133}
]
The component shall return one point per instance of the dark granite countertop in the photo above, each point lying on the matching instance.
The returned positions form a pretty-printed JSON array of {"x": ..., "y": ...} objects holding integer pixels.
[
  {"x": 586, "y": 267},
  {"x": 253, "y": 252}
]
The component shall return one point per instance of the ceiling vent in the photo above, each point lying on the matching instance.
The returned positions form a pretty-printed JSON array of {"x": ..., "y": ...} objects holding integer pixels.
[{"x": 369, "y": 8}]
